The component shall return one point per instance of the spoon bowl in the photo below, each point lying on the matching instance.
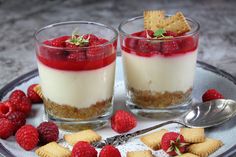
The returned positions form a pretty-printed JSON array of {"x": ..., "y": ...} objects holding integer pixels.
[{"x": 210, "y": 113}]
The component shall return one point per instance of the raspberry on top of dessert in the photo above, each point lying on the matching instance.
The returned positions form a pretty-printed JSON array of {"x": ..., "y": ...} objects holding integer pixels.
[
  {"x": 161, "y": 42},
  {"x": 77, "y": 52}
]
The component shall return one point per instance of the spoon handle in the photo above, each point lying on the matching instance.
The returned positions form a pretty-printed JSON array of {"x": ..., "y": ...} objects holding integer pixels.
[
  {"x": 120, "y": 139},
  {"x": 143, "y": 131}
]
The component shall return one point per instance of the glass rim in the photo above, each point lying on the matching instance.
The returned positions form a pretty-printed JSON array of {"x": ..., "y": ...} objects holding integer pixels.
[
  {"x": 124, "y": 22},
  {"x": 75, "y": 22}
]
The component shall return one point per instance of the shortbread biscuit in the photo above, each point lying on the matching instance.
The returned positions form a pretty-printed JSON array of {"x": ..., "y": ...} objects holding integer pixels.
[
  {"x": 153, "y": 19},
  {"x": 38, "y": 90},
  {"x": 176, "y": 23},
  {"x": 153, "y": 140},
  {"x": 85, "y": 135},
  {"x": 144, "y": 153},
  {"x": 206, "y": 148},
  {"x": 193, "y": 135},
  {"x": 53, "y": 149},
  {"x": 187, "y": 155}
]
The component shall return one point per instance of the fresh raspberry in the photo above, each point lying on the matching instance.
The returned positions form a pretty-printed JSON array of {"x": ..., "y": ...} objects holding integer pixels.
[
  {"x": 17, "y": 118},
  {"x": 6, "y": 128},
  {"x": 17, "y": 94},
  {"x": 6, "y": 108},
  {"x": 131, "y": 43},
  {"x": 146, "y": 34},
  {"x": 27, "y": 137},
  {"x": 22, "y": 104},
  {"x": 108, "y": 151},
  {"x": 32, "y": 95},
  {"x": 52, "y": 53},
  {"x": 123, "y": 121},
  {"x": 83, "y": 149},
  {"x": 173, "y": 143},
  {"x": 93, "y": 40},
  {"x": 169, "y": 46},
  {"x": 60, "y": 41},
  {"x": 149, "y": 46},
  {"x": 211, "y": 94},
  {"x": 71, "y": 46},
  {"x": 48, "y": 132}
]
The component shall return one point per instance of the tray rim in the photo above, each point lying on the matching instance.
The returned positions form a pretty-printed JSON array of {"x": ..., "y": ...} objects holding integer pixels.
[{"x": 27, "y": 76}]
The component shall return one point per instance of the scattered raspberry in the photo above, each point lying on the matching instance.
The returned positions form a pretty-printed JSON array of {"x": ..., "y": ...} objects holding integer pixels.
[
  {"x": 83, "y": 149},
  {"x": 108, "y": 151},
  {"x": 17, "y": 118},
  {"x": 27, "y": 137},
  {"x": 17, "y": 94},
  {"x": 6, "y": 128},
  {"x": 211, "y": 94},
  {"x": 6, "y": 108},
  {"x": 123, "y": 121},
  {"x": 169, "y": 46},
  {"x": 32, "y": 95},
  {"x": 173, "y": 143},
  {"x": 48, "y": 132},
  {"x": 22, "y": 104}
]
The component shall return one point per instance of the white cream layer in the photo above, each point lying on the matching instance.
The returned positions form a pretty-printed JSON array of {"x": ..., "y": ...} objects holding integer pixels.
[
  {"x": 80, "y": 89},
  {"x": 158, "y": 73}
]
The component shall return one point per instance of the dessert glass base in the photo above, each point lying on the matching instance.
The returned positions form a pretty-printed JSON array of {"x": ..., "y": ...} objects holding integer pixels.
[
  {"x": 72, "y": 119},
  {"x": 156, "y": 105}
]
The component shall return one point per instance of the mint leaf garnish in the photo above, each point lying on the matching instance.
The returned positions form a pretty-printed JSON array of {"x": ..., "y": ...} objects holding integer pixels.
[
  {"x": 159, "y": 34},
  {"x": 78, "y": 41}
]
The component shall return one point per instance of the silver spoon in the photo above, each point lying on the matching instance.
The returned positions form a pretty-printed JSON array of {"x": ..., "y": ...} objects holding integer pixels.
[{"x": 202, "y": 115}]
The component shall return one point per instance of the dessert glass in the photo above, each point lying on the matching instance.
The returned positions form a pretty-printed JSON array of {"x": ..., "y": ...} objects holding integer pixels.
[
  {"x": 158, "y": 84},
  {"x": 77, "y": 94}
]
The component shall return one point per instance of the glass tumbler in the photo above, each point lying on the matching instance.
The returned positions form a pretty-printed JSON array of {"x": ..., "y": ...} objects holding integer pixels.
[
  {"x": 77, "y": 83},
  {"x": 159, "y": 73}
]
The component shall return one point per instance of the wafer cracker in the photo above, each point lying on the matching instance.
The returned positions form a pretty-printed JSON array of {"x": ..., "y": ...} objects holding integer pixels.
[
  {"x": 187, "y": 155},
  {"x": 52, "y": 149},
  {"x": 153, "y": 19},
  {"x": 193, "y": 135},
  {"x": 153, "y": 140},
  {"x": 206, "y": 148},
  {"x": 85, "y": 135},
  {"x": 144, "y": 153},
  {"x": 38, "y": 90},
  {"x": 176, "y": 23}
]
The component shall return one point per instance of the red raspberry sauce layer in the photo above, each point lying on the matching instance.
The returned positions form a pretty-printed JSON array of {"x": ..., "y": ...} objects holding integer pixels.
[
  {"x": 79, "y": 65},
  {"x": 76, "y": 58},
  {"x": 170, "y": 48}
]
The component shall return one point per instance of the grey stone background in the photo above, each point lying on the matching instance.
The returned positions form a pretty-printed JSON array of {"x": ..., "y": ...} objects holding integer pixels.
[{"x": 20, "y": 18}]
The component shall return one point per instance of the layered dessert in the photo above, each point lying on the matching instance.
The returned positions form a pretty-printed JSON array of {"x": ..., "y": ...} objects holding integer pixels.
[
  {"x": 159, "y": 66},
  {"x": 77, "y": 75}
]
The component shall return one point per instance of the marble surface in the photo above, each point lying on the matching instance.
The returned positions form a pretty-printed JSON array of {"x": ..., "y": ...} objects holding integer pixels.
[{"x": 19, "y": 19}]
